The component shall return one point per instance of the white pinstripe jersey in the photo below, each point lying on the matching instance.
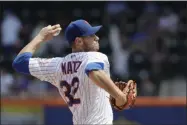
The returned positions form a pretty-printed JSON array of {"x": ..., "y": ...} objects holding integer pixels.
[{"x": 88, "y": 103}]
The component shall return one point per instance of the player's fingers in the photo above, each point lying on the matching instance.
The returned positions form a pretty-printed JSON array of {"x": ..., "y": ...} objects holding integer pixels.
[
  {"x": 131, "y": 83},
  {"x": 56, "y": 30},
  {"x": 126, "y": 90},
  {"x": 48, "y": 27},
  {"x": 128, "y": 86},
  {"x": 55, "y": 26}
]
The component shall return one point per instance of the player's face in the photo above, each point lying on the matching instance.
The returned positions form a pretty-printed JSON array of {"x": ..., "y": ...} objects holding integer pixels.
[{"x": 91, "y": 43}]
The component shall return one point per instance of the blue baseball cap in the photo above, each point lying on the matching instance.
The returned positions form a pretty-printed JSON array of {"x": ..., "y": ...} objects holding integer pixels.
[{"x": 79, "y": 28}]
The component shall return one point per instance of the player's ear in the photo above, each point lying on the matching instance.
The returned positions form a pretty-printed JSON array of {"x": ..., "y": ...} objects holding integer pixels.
[{"x": 78, "y": 40}]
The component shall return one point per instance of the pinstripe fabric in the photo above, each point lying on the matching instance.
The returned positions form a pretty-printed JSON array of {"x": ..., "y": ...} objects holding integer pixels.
[{"x": 93, "y": 106}]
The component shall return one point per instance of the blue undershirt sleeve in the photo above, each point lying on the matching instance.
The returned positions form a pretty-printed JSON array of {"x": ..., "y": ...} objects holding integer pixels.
[
  {"x": 94, "y": 66},
  {"x": 21, "y": 63}
]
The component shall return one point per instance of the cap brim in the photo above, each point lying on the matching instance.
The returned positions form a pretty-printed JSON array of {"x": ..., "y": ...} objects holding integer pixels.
[{"x": 93, "y": 30}]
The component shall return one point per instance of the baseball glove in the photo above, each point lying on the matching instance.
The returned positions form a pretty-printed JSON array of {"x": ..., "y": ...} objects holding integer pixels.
[{"x": 130, "y": 90}]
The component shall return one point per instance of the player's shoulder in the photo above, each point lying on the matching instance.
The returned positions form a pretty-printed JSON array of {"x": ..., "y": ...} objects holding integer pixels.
[
  {"x": 87, "y": 56},
  {"x": 53, "y": 60},
  {"x": 57, "y": 58},
  {"x": 97, "y": 55}
]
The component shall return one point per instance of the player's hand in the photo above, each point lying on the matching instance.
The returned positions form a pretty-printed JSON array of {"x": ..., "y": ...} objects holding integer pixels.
[
  {"x": 47, "y": 33},
  {"x": 129, "y": 90}
]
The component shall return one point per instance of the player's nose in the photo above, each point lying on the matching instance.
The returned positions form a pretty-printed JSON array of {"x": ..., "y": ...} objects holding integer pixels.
[{"x": 96, "y": 38}]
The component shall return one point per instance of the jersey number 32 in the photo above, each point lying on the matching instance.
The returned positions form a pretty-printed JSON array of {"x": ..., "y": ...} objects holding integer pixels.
[{"x": 70, "y": 91}]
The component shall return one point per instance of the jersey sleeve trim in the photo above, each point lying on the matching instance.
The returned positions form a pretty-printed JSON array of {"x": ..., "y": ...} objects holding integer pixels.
[
  {"x": 94, "y": 66},
  {"x": 21, "y": 63}
]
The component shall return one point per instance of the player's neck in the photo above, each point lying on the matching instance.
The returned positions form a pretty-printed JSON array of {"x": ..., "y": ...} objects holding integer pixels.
[{"x": 76, "y": 50}]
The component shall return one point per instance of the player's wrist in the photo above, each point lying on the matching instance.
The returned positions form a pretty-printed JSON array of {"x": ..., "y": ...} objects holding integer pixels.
[
  {"x": 121, "y": 100},
  {"x": 39, "y": 39}
]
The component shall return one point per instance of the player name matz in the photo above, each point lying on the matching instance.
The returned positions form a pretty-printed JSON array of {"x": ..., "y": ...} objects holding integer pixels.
[{"x": 70, "y": 67}]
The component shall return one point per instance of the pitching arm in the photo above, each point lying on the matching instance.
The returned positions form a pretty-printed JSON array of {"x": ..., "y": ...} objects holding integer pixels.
[
  {"x": 43, "y": 69},
  {"x": 100, "y": 78}
]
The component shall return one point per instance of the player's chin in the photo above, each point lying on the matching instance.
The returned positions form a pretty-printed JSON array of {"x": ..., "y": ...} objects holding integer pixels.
[{"x": 96, "y": 48}]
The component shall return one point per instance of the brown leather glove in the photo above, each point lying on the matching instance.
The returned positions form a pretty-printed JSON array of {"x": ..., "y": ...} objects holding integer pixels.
[{"x": 130, "y": 90}]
